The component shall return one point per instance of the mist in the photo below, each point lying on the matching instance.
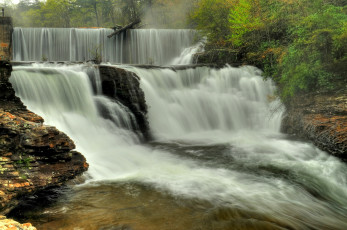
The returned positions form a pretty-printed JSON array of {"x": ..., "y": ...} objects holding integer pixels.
[{"x": 169, "y": 14}]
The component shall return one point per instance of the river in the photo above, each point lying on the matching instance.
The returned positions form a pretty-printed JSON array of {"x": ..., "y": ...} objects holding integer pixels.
[{"x": 218, "y": 159}]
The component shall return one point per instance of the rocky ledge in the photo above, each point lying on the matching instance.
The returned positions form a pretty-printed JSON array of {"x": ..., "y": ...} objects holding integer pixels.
[
  {"x": 33, "y": 156},
  {"x": 9, "y": 224},
  {"x": 124, "y": 87},
  {"x": 219, "y": 57},
  {"x": 320, "y": 118}
]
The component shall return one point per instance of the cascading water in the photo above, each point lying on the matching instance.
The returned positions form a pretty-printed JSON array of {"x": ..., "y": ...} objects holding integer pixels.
[
  {"x": 216, "y": 140},
  {"x": 203, "y": 99},
  {"x": 144, "y": 46}
]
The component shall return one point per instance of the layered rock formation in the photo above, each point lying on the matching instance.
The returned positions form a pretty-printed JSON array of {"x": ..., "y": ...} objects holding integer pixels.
[
  {"x": 124, "y": 86},
  {"x": 320, "y": 118},
  {"x": 33, "y": 156}
]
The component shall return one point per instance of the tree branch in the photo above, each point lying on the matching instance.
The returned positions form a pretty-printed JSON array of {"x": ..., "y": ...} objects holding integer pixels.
[{"x": 130, "y": 26}]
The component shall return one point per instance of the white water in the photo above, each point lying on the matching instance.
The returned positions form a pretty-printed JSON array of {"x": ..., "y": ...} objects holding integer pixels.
[
  {"x": 191, "y": 101},
  {"x": 142, "y": 46},
  {"x": 263, "y": 171},
  {"x": 187, "y": 55}
]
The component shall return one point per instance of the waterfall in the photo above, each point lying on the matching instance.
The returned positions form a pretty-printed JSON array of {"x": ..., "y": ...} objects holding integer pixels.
[
  {"x": 73, "y": 91},
  {"x": 141, "y": 46},
  {"x": 216, "y": 131},
  {"x": 190, "y": 101},
  {"x": 219, "y": 141},
  {"x": 187, "y": 55},
  {"x": 182, "y": 102}
]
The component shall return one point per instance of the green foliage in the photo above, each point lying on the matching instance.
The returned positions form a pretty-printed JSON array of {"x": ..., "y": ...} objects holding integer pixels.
[
  {"x": 300, "y": 44},
  {"x": 95, "y": 52},
  {"x": 24, "y": 162},
  {"x": 302, "y": 71},
  {"x": 211, "y": 16},
  {"x": 24, "y": 177},
  {"x": 242, "y": 19},
  {"x": 318, "y": 44}
]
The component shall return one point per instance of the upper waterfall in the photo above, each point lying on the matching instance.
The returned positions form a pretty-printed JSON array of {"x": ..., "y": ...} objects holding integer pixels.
[{"x": 141, "y": 46}]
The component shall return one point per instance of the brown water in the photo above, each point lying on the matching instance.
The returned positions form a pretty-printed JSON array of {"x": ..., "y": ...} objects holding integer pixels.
[{"x": 133, "y": 206}]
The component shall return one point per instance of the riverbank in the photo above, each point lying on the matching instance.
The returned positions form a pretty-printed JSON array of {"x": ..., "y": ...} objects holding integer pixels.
[{"x": 321, "y": 119}]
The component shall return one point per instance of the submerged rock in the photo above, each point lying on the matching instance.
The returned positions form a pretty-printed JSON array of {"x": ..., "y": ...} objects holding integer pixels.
[
  {"x": 33, "y": 156},
  {"x": 320, "y": 118},
  {"x": 9, "y": 224}
]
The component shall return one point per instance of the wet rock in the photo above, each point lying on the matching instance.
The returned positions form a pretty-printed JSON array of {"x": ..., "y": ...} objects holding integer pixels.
[
  {"x": 219, "y": 57},
  {"x": 33, "y": 156},
  {"x": 9, "y": 224},
  {"x": 320, "y": 118},
  {"x": 124, "y": 86}
]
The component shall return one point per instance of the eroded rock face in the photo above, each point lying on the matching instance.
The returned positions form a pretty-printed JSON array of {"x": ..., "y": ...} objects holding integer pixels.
[
  {"x": 124, "y": 87},
  {"x": 322, "y": 119},
  {"x": 33, "y": 156}
]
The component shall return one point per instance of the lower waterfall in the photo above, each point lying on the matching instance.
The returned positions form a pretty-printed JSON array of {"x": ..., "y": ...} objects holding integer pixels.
[{"x": 217, "y": 140}]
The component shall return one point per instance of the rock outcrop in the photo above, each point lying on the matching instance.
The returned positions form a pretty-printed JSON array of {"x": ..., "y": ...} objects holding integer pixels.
[
  {"x": 10, "y": 224},
  {"x": 320, "y": 118},
  {"x": 219, "y": 57},
  {"x": 124, "y": 86},
  {"x": 33, "y": 156}
]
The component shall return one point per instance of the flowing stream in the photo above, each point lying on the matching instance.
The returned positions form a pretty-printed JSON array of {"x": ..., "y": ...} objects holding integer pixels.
[{"x": 218, "y": 159}]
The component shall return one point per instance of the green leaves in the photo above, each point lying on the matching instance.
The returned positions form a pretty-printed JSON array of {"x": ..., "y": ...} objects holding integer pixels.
[
  {"x": 300, "y": 44},
  {"x": 211, "y": 16},
  {"x": 317, "y": 45},
  {"x": 243, "y": 18}
]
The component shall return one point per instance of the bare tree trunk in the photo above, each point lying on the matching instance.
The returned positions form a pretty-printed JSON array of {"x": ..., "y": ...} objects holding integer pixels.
[
  {"x": 96, "y": 14},
  {"x": 130, "y": 26}
]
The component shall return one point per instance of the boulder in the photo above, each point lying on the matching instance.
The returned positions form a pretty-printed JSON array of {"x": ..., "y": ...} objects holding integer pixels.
[{"x": 124, "y": 86}]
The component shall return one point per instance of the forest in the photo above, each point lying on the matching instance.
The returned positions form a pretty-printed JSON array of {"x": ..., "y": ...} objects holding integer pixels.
[
  {"x": 98, "y": 13},
  {"x": 300, "y": 44}
]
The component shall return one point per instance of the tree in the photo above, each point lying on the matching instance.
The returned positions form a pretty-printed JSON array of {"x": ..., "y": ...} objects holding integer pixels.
[
  {"x": 211, "y": 16},
  {"x": 90, "y": 6},
  {"x": 57, "y": 13},
  {"x": 244, "y": 17}
]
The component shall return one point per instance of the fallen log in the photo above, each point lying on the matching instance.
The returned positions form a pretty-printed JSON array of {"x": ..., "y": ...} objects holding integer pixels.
[{"x": 130, "y": 26}]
